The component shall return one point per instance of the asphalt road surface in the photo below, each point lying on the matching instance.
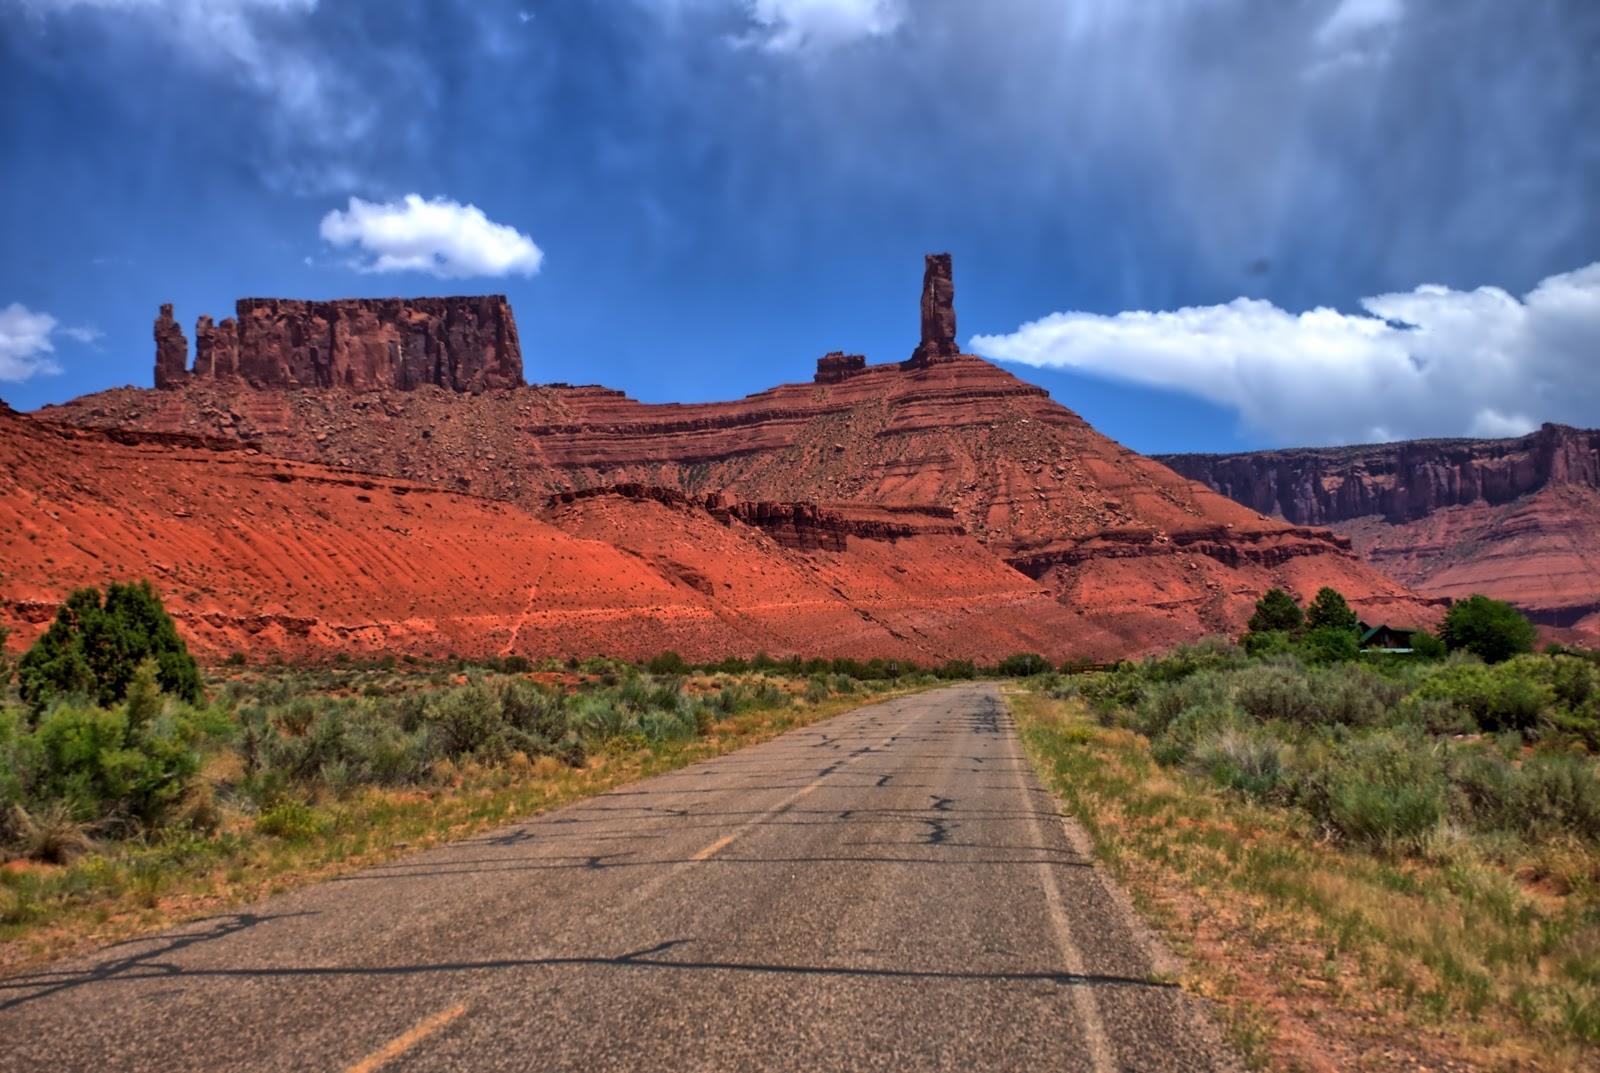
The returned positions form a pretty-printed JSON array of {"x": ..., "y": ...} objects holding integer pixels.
[{"x": 891, "y": 889}]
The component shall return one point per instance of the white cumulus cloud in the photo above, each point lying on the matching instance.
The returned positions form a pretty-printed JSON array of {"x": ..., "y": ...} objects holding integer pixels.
[
  {"x": 441, "y": 237},
  {"x": 1427, "y": 362},
  {"x": 25, "y": 346},
  {"x": 796, "y": 25}
]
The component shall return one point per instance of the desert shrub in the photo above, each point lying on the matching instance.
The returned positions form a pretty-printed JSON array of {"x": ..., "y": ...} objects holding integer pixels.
[
  {"x": 1109, "y": 694},
  {"x": 1248, "y": 760},
  {"x": 467, "y": 721},
  {"x": 1507, "y": 696},
  {"x": 1024, "y": 664},
  {"x": 1557, "y": 792},
  {"x": 956, "y": 669},
  {"x": 1274, "y": 691},
  {"x": 94, "y": 765},
  {"x": 817, "y": 688},
  {"x": 1206, "y": 654},
  {"x": 1385, "y": 789},
  {"x": 292, "y": 820},
  {"x": 1425, "y": 645},
  {"x": 1330, "y": 644},
  {"x": 1182, "y": 736},
  {"x": 1268, "y": 643},
  {"x": 1548, "y": 794},
  {"x": 93, "y": 647},
  {"x": 50, "y": 833},
  {"x": 1486, "y": 789},
  {"x": 1276, "y": 612},
  {"x": 843, "y": 684},
  {"x": 668, "y": 662},
  {"x": 596, "y": 717},
  {"x": 534, "y": 711},
  {"x": 1354, "y": 696},
  {"x": 1163, "y": 704},
  {"x": 1492, "y": 630}
]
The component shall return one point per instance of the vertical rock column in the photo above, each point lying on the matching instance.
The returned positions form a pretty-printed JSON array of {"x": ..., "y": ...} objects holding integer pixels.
[
  {"x": 172, "y": 351},
  {"x": 938, "y": 312}
]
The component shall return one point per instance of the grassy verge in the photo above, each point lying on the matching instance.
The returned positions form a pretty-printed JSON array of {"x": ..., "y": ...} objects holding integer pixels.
[
  {"x": 1322, "y": 956},
  {"x": 132, "y": 886}
]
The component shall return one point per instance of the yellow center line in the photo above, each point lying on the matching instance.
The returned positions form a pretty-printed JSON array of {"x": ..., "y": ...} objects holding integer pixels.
[
  {"x": 712, "y": 849},
  {"x": 407, "y": 1040}
]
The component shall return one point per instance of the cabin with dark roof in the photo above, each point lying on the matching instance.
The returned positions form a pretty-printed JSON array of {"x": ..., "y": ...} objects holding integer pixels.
[{"x": 1385, "y": 638}]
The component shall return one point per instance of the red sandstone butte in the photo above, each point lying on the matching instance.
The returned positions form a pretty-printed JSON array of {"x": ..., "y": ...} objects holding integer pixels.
[
  {"x": 257, "y": 553},
  {"x": 980, "y": 466},
  {"x": 1512, "y": 518},
  {"x": 363, "y": 344}
]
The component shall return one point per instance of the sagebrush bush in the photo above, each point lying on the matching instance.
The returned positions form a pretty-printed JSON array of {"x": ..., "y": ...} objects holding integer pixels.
[
  {"x": 1177, "y": 741},
  {"x": 1385, "y": 789},
  {"x": 1250, "y": 760},
  {"x": 1274, "y": 691}
]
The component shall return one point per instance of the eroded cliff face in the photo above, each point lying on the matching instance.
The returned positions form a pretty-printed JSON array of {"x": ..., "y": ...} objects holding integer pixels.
[
  {"x": 1400, "y": 482},
  {"x": 1514, "y": 519},
  {"x": 464, "y": 344},
  {"x": 941, "y": 447}
]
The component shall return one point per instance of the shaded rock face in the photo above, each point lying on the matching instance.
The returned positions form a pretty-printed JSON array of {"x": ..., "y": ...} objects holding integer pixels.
[
  {"x": 1401, "y": 482},
  {"x": 362, "y": 344},
  {"x": 838, "y": 366},
  {"x": 938, "y": 311},
  {"x": 216, "y": 349},
  {"x": 172, "y": 351}
]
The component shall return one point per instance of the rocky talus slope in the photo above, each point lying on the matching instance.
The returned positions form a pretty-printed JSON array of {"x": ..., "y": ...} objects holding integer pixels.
[
  {"x": 1513, "y": 518},
  {"x": 260, "y": 553}
]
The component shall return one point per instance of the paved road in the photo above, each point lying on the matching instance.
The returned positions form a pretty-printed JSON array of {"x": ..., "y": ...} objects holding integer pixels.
[{"x": 887, "y": 890}]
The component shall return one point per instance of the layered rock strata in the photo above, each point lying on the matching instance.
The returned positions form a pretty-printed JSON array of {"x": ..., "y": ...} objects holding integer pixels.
[
  {"x": 1399, "y": 482},
  {"x": 1513, "y": 518},
  {"x": 1139, "y": 555}
]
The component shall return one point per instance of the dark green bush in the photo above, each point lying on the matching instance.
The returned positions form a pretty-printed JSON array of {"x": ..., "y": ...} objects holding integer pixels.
[
  {"x": 1492, "y": 630},
  {"x": 1425, "y": 645},
  {"x": 1024, "y": 664},
  {"x": 1276, "y": 612},
  {"x": 93, "y": 647},
  {"x": 1329, "y": 611},
  {"x": 668, "y": 662},
  {"x": 1268, "y": 643},
  {"x": 1508, "y": 696},
  {"x": 1331, "y": 644}
]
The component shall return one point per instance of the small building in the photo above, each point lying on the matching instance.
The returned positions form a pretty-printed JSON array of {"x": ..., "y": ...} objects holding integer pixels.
[{"x": 1384, "y": 638}]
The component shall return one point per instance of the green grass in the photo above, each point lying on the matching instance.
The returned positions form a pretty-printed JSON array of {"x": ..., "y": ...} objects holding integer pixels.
[{"x": 1490, "y": 954}]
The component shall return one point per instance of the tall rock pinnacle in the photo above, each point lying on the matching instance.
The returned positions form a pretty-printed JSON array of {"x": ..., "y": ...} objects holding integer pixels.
[
  {"x": 938, "y": 311},
  {"x": 172, "y": 351}
]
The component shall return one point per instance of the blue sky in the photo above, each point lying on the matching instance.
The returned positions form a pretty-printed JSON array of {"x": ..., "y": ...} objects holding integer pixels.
[{"x": 1203, "y": 224}]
